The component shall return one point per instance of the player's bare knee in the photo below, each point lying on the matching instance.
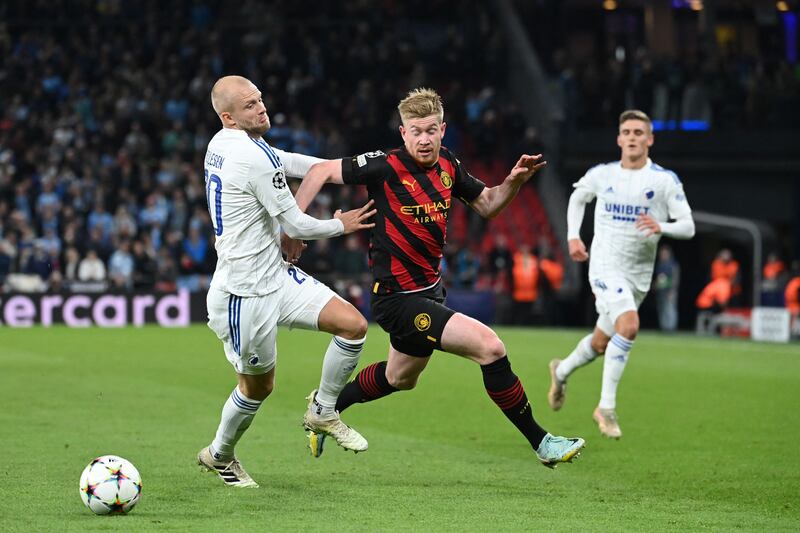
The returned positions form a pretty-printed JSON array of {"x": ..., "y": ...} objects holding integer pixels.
[
  {"x": 492, "y": 349},
  {"x": 257, "y": 391},
  {"x": 354, "y": 328},
  {"x": 361, "y": 326},
  {"x": 629, "y": 332},
  {"x": 629, "y": 328}
]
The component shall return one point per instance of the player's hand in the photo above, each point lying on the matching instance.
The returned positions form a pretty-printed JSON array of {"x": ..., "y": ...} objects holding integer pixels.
[
  {"x": 648, "y": 225},
  {"x": 526, "y": 167},
  {"x": 353, "y": 220},
  {"x": 577, "y": 250},
  {"x": 293, "y": 248}
]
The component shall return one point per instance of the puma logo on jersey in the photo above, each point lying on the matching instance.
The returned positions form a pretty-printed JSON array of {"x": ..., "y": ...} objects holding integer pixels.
[{"x": 412, "y": 184}]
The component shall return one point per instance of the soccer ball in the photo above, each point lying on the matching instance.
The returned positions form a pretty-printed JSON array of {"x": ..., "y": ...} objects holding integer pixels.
[{"x": 110, "y": 485}]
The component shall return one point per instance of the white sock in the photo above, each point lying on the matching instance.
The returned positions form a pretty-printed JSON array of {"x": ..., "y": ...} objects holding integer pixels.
[
  {"x": 237, "y": 415},
  {"x": 340, "y": 360},
  {"x": 613, "y": 366},
  {"x": 582, "y": 355}
]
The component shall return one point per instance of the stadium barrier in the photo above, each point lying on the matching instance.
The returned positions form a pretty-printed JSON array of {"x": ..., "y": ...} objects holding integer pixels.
[
  {"x": 770, "y": 324},
  {"x": 104, "y": 310},
  {"x": 173, "y": 309}
]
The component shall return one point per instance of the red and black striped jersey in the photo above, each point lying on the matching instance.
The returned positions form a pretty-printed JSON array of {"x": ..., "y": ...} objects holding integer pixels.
[{"x": 413, "y": 203}]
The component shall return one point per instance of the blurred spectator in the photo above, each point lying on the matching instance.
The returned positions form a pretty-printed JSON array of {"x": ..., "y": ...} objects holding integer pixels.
[
  {"x": 100, "y": 222},
  {"x": 154, "y": 213},
  {"x": 8, "y": 256},
  {"x": 500, "y": 265},
  {"x": 500, "y": 258},
  {"x": 124, "y": 225},
  {"x": 550, "y": 286},
  {"x": 773, "y": 281},
  {"x": 38, "y": 263},
  {"x": 166, "y": 271},
  {"x": 552, "y": 269},
  {"x": 724, "y": 277},
  {"x": 525, "y": 273},
  {"x": 466, "y": 266},
  {"x": 195, "y": 251},
  {"x": 350, "y": 261},
  {"x": 792, "y": 292},
  {"x": 121, "y": 266},
  {"x": 101, "y": 245},
  {"x": 91, "y": 267},
  {"x": 144, "y": 266},
  {"x": 773, "y": 269},
  {"x": 70, "y": 265},
  {"x": 667, "y": 279},
  {"x": 317, "y": 259}
]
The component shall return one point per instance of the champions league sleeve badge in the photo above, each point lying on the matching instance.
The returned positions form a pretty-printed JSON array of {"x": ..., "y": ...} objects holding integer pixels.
[{"x": 278, "y": 180}]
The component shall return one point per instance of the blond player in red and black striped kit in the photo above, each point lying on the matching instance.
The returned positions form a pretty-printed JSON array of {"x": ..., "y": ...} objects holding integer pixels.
[{"x": 413, "y": 188}]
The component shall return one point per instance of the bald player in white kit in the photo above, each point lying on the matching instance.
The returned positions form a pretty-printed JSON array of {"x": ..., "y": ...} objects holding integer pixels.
[
  {"x": 636, "y": 198},
  {"x": 254, "y": 290}
]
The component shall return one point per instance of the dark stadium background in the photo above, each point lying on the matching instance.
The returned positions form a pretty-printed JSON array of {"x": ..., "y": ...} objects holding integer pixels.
[{"x": 106, "y": 103}]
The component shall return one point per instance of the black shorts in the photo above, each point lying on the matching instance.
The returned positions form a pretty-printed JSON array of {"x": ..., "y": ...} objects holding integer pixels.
[{"x": 414, "y": 321}]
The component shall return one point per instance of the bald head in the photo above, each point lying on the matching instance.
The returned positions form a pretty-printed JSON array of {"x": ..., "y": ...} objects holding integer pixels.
[
  {"x": 237, "y": 102},
  {"x": 225, "y": 91}
]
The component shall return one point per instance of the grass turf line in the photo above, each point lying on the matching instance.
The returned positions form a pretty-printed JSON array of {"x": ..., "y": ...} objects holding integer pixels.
[{"x": 709, "y": 431}]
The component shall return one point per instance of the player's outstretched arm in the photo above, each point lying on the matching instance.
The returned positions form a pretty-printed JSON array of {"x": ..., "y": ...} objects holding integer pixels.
[
  {"x": 298, "y": 225},
  {"x": 328, "y": 171},
  {"x": 493, "y": 200},
  {"x": 318, "y": 175}
]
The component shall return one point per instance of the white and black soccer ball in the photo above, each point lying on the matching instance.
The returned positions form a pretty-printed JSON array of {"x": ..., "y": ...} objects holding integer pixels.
[{"x": 110, "y": 485}]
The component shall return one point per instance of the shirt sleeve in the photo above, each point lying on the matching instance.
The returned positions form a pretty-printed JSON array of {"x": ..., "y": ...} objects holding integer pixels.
[
  {"x": 268, "y": 185},
  {"x": 365, "y": 168},
  {"x": 677, "y": 204},
  {"x": 298, "y": 225},
  {"x": 467, "y": 187},
  {"x": 585, "y": 192},
  {"x": 296, "y": 165},
  {"x": 586, "y": 187},
  {"x": 681, "y": 228}
]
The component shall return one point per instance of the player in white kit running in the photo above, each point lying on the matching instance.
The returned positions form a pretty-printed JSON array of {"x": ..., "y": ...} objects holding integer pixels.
[
  {"x": 636, "y": 198},
  {"x": 254, "y": 290}
]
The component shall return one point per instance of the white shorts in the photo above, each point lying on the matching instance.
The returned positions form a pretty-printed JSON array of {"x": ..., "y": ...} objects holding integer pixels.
[
  {"x": 248, "y": 326},
  {"x": 614, "y": 296}
]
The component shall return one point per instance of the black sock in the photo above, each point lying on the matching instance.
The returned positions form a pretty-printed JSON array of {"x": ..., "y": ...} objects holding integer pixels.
[
  {"x": 370, "y": 384},
  {"x": 506, "y": 390}
]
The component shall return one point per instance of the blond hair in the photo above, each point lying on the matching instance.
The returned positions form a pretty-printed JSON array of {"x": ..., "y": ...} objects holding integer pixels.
[
  {"x": 636, "y": 114},
  {"x": 421, "y": 103}
]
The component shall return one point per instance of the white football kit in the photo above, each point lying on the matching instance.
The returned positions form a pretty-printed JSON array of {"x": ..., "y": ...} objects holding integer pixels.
[
  {"x": 622, "y": 258},
  {"x": 253, "y": 289}
]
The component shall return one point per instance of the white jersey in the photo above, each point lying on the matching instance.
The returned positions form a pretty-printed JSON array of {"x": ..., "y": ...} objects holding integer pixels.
[
  {"x": 618, "y": 248},
  {"x": 246, "y": 189}
]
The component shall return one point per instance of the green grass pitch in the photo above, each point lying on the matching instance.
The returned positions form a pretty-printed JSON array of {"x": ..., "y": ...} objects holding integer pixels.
[{"x": 711, "y": 432}]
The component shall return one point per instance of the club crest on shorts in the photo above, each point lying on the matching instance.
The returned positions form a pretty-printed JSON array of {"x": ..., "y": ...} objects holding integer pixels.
[
  {"x": 422, "y": 321},
  {"x": 447, "y": 181}
]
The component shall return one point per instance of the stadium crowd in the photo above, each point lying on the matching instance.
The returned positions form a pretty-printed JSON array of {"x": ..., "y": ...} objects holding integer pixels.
[
  {"x": 105, "y": 115},
  {"x": 720, "y": 91},
  {"x": 599, "y": 63}
]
